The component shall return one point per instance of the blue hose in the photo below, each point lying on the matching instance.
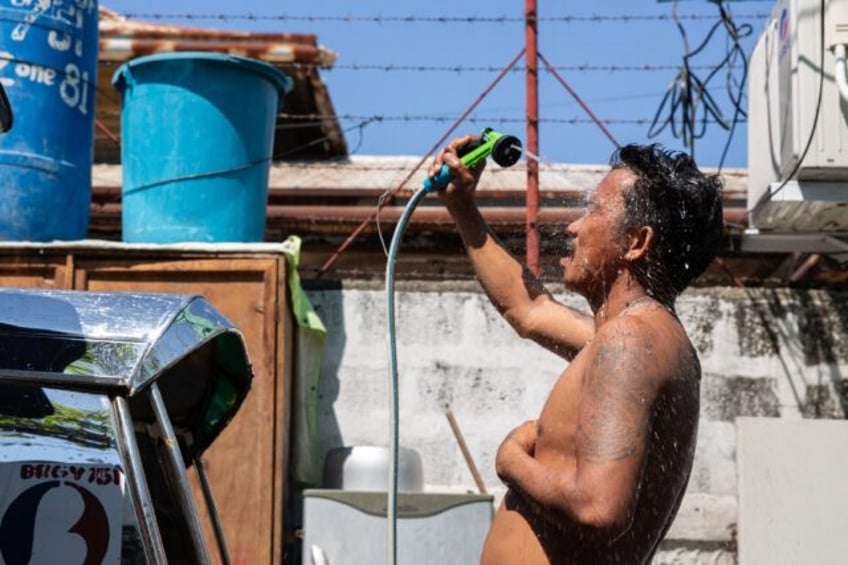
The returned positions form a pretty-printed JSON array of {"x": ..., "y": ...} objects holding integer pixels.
[
  {"x": 505, "y": 150},
  {"x": 391, "y": 508},
  {"x": 439, "y": 181}
]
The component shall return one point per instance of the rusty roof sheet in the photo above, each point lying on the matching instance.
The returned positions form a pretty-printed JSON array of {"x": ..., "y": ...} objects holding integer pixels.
[
  {"x": 387, "y": 172},
  {"x": 122, "y": 39},
  {"x": 383, "y": 173},
  {"x": 298, "y": 55}
]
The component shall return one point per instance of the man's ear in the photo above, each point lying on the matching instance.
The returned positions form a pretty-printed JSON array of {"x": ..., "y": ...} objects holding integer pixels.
[{"x": 639, "y": 242}]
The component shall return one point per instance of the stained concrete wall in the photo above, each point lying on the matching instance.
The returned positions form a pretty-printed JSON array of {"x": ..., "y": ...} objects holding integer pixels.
[{"x": 764, "y": 353}]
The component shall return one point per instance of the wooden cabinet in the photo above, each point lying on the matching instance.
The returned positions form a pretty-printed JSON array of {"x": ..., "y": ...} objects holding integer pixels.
[{"x": 247, "y": 464}]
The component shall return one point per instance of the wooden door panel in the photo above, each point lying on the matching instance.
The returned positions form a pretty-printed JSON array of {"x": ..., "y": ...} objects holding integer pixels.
[
  {"x": 241, "y": 463},
  {"x": 40, "y": 272}
]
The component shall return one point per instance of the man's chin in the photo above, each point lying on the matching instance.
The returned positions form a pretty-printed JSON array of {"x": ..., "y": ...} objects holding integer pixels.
[
  {"x": 573, "y": 283},
  {"x": 567, "y": 275}
]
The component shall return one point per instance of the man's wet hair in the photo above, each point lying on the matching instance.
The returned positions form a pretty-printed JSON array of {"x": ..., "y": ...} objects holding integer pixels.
[{"x": 681, "y": 204}]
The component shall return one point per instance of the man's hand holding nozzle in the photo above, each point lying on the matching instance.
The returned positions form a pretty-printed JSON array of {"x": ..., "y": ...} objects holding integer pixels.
[{"x": 463, "y": 180}]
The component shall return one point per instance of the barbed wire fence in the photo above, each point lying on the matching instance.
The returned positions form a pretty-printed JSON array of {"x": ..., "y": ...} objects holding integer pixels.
[
  {"x": 687, "y": 108},
  {"x": 678, "y": 107},
  {"x": 416, "y": 19}
]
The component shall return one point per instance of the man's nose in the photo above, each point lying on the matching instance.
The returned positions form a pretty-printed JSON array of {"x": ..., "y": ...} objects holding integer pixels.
[{"x": 572, "y": 228}]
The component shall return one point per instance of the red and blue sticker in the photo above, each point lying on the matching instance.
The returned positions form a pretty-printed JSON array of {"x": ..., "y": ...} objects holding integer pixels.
[{"x": 60, "y": 513}]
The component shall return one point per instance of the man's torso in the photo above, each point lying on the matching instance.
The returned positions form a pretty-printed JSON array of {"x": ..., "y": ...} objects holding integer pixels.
[{"x": 519, "y": 536}]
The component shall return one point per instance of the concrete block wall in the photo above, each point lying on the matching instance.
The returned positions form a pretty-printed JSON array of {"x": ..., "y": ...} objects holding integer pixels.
[{"x": 764, "y": 353}]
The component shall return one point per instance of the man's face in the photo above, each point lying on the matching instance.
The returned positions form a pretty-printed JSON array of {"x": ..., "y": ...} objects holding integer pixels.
[{"x": 595, "y": 248}]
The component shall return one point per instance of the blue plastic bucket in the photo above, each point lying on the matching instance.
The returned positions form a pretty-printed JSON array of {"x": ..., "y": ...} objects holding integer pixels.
[
  {"x": 197, "y": 133},
  {"x": 48, "y": 67}
]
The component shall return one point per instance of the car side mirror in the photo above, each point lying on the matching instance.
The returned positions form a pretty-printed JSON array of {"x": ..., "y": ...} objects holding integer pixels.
[{"x": 5, "y": 111}]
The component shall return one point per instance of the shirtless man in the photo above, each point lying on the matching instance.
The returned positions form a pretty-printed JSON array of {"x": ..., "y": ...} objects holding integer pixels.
[{"x": 599, "y": 476}]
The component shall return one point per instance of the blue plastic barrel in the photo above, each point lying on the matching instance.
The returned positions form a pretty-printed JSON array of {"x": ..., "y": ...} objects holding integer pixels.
[
  {"x": 48, "y": 66},
  {"x": 197, "y": 133}
]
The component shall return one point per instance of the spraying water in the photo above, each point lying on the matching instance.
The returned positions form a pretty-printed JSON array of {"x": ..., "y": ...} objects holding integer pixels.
[{"x": 534, "y": 157}]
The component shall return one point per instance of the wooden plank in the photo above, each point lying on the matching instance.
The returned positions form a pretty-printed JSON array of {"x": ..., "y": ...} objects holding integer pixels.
[{"x": 284, "y": 363}]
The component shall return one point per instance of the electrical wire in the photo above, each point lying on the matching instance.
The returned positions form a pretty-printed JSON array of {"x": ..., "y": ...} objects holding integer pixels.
[
  {"x": 735, "y": 36},
  {"x": 735, "y": 33},
  {"x": 688, "y": 104},
  {"x": 359, "y": 126},
  {"x": 684, "y": 97}
]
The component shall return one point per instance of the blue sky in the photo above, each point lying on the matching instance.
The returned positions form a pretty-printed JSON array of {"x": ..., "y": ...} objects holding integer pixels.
[{"x": 406, "y": 111}]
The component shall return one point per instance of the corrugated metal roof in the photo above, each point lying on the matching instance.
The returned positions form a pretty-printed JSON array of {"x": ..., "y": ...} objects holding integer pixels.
[
  {"x": 386, "y": 172},
  {"x": 381, "y": 173},
  {"x": 325, "y": 201},
  {"x": 122, "y": 39},
  {"x": 322, "y": 197}
]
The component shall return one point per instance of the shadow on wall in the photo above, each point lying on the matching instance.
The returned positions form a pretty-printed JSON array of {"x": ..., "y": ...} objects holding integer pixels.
[
  {"x": 824, "y": 334},
  {"x": 327, "y": 300},
  {"x": 822, "y": 338}
]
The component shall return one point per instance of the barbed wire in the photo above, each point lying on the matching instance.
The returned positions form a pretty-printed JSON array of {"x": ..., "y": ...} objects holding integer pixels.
[
  {"x": 390, "y": 167},
  {"x": 413, "y": 19},
  {"x": 318, "y": 119},
  {"x": 300, "y": 121},
  {"x": 490, "y": 69},
  {"x": 582, "y": 67}
]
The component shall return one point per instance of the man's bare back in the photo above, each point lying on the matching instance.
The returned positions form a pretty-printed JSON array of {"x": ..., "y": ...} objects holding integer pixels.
[{"x": 659, "y": 373}]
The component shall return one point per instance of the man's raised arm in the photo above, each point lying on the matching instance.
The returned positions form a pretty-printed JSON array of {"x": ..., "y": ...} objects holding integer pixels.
[{"x": 517, "y": 294}]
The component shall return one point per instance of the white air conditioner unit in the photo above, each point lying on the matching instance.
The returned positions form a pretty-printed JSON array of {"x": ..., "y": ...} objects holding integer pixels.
[{"x": 786, "y": 193}]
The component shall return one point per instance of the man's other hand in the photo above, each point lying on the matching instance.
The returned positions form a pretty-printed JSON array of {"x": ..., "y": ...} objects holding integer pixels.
[{"x": 519, "y": 444}]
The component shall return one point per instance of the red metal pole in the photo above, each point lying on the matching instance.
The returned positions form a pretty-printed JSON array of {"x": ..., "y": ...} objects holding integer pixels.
[{"x": 532, "y": 59}]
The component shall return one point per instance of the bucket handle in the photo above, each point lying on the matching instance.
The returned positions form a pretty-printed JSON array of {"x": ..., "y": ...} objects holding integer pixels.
[
  {"x": 127, "y": 76},
  {"x": 154, "y": 184}
]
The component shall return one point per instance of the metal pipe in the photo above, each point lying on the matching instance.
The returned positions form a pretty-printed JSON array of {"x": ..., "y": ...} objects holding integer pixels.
[
  {"x": 176, "y": 472},
  {"x": 220, "y": 538},
  {"x": 329, "y": 218},
  {"x": 531, "y": 57},
  {"x": 801, "y": 272},
  {"x": 839, "y": 71},
  {"x": 433, "y": 216},
  {"x": 142, "y": 503}
]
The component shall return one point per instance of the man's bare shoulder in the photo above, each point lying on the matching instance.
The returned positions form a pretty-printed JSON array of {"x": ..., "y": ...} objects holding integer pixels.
[{"x": 648, "y": 343}]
